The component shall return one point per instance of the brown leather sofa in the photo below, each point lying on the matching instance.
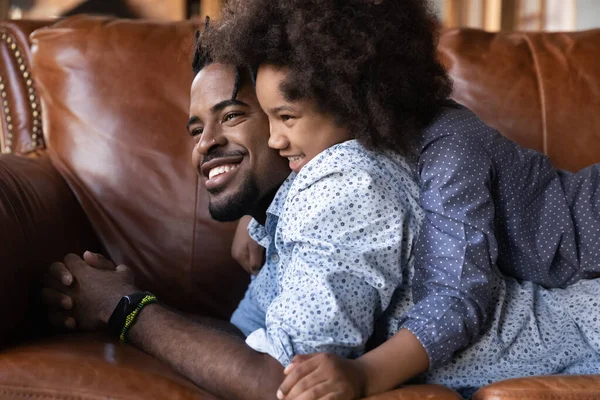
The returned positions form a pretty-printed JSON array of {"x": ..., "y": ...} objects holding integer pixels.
[{"x": 96, "y": 156}]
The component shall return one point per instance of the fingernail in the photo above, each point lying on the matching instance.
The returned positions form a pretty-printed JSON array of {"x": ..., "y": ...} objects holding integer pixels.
[
  {"x": 289, "y": 368},
  {"x": 70, "y": 323},
  {"x": 280, "y": 395},
  {"x": 66, "y": 280},
  {"x": 66, "y": 303}
]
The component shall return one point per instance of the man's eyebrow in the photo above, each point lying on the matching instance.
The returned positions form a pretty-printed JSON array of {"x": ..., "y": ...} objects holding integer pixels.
[
  {"x": 216, "y": 108},
  {"x": 226, "y": 103},
  {"x": 192, "y": 121}
]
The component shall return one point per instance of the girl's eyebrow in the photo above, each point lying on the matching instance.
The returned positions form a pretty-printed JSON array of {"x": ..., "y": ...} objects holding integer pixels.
[{"x": 281, "y": 108}]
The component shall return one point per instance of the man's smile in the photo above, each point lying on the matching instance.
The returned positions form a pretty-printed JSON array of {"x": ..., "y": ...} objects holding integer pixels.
[
  {"x": 219, "y": 171},
  {"x": 222, "y": 169}
]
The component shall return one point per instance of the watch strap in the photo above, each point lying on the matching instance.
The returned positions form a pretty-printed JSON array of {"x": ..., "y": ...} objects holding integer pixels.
[{"x": 126, "y": 306}]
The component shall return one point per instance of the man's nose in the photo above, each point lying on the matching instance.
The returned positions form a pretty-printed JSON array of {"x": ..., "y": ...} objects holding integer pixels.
[
  {"x": 278, "y": 141},
  {"x": 211, "y": 136}
]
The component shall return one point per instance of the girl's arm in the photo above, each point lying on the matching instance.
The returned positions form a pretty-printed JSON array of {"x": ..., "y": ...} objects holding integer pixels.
[
  {"x": 393, "y": 363},
  {"x": 319, "y": 375}
]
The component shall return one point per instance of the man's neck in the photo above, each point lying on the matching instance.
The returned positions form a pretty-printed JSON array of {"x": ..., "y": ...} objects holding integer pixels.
[{"x": 260, "y": 211}]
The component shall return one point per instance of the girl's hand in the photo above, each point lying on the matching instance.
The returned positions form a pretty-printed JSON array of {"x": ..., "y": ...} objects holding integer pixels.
[{"x": 322, "y": 376}]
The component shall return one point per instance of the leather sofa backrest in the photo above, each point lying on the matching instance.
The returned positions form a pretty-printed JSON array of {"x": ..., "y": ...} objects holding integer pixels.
[
  {"x": 115, "y": 96},
  {"x": 115, "y": 103},
  {"x": 536, "y": 88},
  {"x": 539, "y": 89}
]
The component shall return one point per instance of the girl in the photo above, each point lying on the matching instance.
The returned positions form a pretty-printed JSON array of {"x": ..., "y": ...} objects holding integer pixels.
[{"x": 371, "y": 67}]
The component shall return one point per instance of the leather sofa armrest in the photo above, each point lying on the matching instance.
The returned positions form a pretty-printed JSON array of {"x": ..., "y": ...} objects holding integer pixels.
[
  {"x": 555, "y": 387},
  {"x": 40, "y": 221},
  {"x": 89, "y": 367},
  {"x": 20, "y": 114},
  {"x": 418, "y": 392}
]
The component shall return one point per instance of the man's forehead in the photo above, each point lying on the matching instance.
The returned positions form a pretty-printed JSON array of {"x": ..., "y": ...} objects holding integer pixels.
[
  {"x": 214, "y": 84},
  {"x": 214, "y": 80}
]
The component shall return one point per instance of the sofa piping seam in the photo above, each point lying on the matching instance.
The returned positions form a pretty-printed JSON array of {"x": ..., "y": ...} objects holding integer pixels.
[{"x": 541, "y": 91}]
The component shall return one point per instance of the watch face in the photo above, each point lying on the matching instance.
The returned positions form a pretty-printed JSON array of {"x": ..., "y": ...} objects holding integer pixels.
[
  {"x": 127, "y": 300},
  {"x": 126, "y": 306}
]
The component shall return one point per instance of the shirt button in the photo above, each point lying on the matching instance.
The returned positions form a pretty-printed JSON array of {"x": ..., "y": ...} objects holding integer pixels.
[{"x": 274, "y": 258}]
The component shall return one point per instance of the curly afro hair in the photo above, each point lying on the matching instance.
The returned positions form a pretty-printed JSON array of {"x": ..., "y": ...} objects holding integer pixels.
[{"x": 371, "y": 64}]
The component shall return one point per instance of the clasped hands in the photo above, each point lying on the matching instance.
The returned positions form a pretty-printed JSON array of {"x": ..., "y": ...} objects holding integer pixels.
[{"x": 81, "y": 293}]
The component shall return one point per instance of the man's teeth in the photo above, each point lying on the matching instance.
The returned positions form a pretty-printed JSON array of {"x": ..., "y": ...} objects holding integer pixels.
[
  {"x": 221, "y": 169},
  {"x": 294, "y": 159}
]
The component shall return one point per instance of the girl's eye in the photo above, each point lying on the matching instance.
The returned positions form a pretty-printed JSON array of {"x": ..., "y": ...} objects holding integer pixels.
[
  {"x": 231, "y": 116},
  {"x": 197, "y": 132}
]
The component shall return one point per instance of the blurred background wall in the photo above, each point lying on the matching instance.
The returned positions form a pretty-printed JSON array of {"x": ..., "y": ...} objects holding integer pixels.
[
  {"x": 523, "y": 15},
  {"x": 154, "y": 9},
  {"x": 491, "y": 15}
]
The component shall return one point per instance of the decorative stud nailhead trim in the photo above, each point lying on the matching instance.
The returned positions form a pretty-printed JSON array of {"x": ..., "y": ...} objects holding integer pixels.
[
  {"x": 9, "y": 134},
  {"x": 36, "y": 135}
]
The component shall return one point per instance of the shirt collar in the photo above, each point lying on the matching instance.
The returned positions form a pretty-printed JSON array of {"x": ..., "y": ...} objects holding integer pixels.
[
  {"x": 258, "y": 232},
  {"x": 279, "y": 199}
]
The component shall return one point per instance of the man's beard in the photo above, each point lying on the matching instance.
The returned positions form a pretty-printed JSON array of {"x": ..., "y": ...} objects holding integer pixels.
[{"x": 236, "y": 206}]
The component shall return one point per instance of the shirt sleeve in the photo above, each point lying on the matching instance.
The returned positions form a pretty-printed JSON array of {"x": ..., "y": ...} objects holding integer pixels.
[
  {"x": 455, "y": 262},
  {"x": 345, "y": 237}
]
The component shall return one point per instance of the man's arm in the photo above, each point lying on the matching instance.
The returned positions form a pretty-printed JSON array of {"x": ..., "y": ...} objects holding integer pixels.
[
  {"x": 214, "y": 359},
  {"x": 210, "y": 353}
]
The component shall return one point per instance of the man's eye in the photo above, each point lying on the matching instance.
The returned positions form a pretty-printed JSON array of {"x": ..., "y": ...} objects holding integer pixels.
[
  {"x": 196, "y": 132},
  {"x": 231, "y": 116},
  {"x": 286, "y": 117}
]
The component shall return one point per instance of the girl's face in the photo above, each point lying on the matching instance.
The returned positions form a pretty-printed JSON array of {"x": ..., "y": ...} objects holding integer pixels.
[{"x": 297, "y": 130}]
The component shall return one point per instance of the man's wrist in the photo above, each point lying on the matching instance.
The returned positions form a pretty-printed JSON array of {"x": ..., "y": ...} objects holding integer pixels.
[{"x": 111, "y": 302}]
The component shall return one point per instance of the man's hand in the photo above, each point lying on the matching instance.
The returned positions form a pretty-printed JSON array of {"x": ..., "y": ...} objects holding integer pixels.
[
  {"x": 92, "y": 284},
  {"x": 249, "y": 254},
  {"x": 322, "y": 376},
  {"x": 59, "y": 304}
]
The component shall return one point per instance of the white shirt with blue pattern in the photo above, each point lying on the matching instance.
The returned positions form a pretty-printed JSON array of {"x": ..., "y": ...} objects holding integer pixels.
[{"x": 339, "y": 237}]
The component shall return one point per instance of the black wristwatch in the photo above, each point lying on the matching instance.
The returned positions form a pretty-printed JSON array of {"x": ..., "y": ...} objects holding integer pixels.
[{"x": 126, "y": 306}]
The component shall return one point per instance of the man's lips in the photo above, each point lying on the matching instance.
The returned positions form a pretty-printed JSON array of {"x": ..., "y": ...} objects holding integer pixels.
[
  {"x": 217, "y": 162},
  {"x": 219, "y": 171}
]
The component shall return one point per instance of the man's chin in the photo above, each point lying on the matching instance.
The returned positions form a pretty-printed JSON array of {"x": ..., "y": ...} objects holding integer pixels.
[
  {"x": 225, "y": 213},
  {"x": 226, "y": 208}
]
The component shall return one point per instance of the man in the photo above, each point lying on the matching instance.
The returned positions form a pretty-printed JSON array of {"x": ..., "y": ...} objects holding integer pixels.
[
  {"x": 322, "y": 313},
  {"x": 242, "y": 174}
]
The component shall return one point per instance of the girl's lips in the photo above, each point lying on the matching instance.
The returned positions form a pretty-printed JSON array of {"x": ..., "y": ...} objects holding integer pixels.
[
  {"x": 296, "y": 162},
  {"x": 297, "y": 165}
]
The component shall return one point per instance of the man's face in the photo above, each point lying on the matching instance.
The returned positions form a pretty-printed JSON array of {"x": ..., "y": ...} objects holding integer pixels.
[{"x": 231, "y": 153}]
